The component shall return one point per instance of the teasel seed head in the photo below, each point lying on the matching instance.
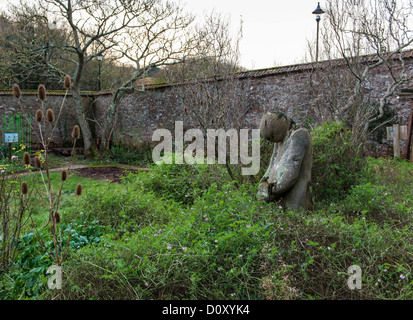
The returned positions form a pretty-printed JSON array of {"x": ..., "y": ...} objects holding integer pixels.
[
  {"x": 79, "y": 190},
  {"x": 24, "y": 188},
  {"x": 37, "y": 162},
  {"x": 41, "y": 92},
  {"x": 26, "y": 158},
  {"x": 39, "y": 115},
  {"x": 76, "y": 132},
  {"x": 57, "y": 217},
  {"x": 50, "y": 115},
  {"x": 16, "y": 91},
  {"x": 64, "y": 175},
  {"x": 68, "y": 82}
]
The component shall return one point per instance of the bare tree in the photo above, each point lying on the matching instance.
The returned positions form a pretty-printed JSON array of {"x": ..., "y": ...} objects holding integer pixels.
[
  {"x": 23, "y": 39},
  {"x": 23, "y": 36},
  {"x": 148, "y": 33},
  {"x": 365, "y": 35},
  {"x": 158, "y": 37},
  {"x": 211, "y": 92},
  {"x": 209, "y": 83},
  {"x": 92, "y": 27}
]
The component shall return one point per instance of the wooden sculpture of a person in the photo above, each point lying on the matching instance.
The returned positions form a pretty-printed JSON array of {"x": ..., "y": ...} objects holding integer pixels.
[{"x": 288, "y": 177}]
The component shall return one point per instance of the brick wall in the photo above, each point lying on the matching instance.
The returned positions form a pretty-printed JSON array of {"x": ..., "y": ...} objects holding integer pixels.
[
  {"x": 286, "y": 88},
  {"x": 30, "y": 104}
]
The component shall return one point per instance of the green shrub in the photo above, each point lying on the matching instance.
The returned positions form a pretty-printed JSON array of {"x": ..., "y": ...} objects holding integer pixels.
[
  {"x": 182, "y": 183},
  {"x": 226, "y": 245},
  {"x": 130, "y": 154},
  {"x": 28, "y": 276},
  {"x": 125, "y": 207},
  {"x": 396, "y": 173},
  {"x": 321, "y": 246},
  {"x": 337, "y": 164},
  {"x": 229, "y": 246},
  {"x": 384, "y": 194},
  {"x": 221, "y": 248}
]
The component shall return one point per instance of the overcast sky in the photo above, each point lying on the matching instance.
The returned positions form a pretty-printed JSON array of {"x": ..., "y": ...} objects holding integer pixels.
[{"x": 275, "y": 32}]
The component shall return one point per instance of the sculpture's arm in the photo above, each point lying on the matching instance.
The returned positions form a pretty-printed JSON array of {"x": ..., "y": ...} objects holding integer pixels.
[
  {"x": 288, "y": 170},
  {"x": 263, "y": 193},
  {"x": 271, "y": 165}
]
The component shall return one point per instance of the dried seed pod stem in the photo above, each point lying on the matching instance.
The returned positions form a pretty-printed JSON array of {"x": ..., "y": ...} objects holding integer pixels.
[
  {"x": 24, "y": 188},
  {"x": 50, "y": 115},
  {"x": 26, "y": 158},
  {"x": 79, "y": 190},
  {"x": 39, "y": 115},
  {"x": 68, "y": 82},
  {"x": 76, "y": 132},
  {"x": 57, "y": 217},
  {"x": 41, "y": 92},
  {"x": 64, "y": 175},
  {"x": 37, "y": 162},
  {"x": 16, "y": 91}
]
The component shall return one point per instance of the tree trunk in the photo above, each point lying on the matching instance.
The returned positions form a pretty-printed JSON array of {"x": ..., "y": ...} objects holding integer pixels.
[
  {"x": 110, "y": 118},
  {"x": 127, "y": 87},
  {"x": 89, "y": 147}
]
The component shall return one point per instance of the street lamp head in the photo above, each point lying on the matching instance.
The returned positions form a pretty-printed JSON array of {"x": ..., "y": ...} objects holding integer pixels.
[
  {"x": 318, "y": 10},
  {"x": 100, "y": 57}
]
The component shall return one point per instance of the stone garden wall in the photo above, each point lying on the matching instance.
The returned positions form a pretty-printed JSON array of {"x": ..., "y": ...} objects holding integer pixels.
[{"x": 286, "y": 88}]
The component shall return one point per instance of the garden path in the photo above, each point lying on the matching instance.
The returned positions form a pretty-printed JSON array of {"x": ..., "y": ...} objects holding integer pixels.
[{"x": 108, "y": 173}]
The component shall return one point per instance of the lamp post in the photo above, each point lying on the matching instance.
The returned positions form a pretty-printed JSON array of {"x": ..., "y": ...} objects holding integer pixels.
[
  {"x": 318, "y": 11},
  {"x": 100, "y": 58}
]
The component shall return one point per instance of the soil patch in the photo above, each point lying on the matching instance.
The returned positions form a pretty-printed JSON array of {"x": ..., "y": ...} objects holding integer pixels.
[{"x": 112, "y": 174}]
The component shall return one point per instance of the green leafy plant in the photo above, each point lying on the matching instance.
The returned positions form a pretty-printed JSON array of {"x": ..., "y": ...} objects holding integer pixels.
[
  {"x": 337, "y": 162},
  {"x": 220, "y": 248},
  {"x": 182, "y": 183},
  {"x": 14, "y": 198},
  {"x": 127, "y": 242},
  {"x": 28, "y": 276},
  {"x": 130, "y": 154},
  {"x": 46, "y": 123}
]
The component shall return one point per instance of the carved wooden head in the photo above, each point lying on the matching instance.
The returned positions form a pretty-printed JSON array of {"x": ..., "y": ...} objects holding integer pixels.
[{"x": 274, "y": 126}]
